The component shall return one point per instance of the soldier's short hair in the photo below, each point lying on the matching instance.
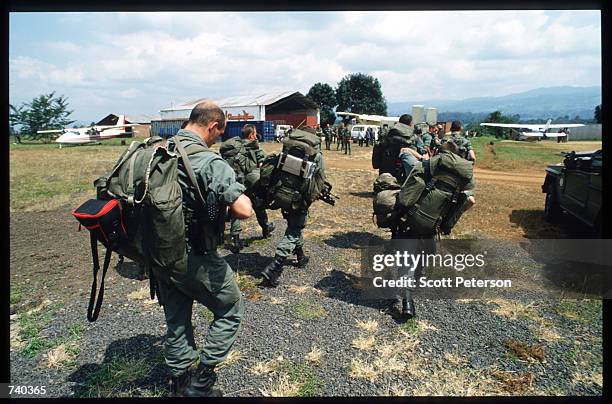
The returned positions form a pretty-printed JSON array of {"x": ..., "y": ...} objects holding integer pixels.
[
  {"x": 184, "y": 124},
  {"x": 206, "y": 112},
  {"x": 455, "y": 126},
  {"x": 449, "y": 146},
  {"x": 248, "y": 129},
  {"x": 406, "y": 119}
]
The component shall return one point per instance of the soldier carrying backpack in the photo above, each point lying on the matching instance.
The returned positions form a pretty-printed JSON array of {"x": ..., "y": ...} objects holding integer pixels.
[
  {"x": 163, "y": 205},
  {"x": 292, "y": 181},
  {"x": 385, "y": 154},
  {"x": 430, "y": 201},
  {"x": 245, "y": 157}
]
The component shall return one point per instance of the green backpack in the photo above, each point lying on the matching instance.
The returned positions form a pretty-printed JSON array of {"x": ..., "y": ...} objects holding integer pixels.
[
  {"x": 291, "y": 180},
  {"x": 240, "y": 155},
  {"x": 138, "y": 212},
  {"x": 386, "y": 189},
  {"x": 430, "y": 192}
]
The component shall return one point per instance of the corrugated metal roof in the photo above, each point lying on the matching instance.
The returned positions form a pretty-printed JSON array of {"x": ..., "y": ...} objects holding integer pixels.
[
  {"x": 237, "y": 101},
  {"x": 139, "y": 118}
]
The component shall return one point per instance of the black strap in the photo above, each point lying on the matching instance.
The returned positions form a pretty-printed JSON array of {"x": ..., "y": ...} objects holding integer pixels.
[
  {"x": 92, "y": 313},
  {"x": 189, "y": 169}
]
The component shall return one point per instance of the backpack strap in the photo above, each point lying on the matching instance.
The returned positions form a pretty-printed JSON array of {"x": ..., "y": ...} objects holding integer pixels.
[
  {"x": 189, "y": 168},
  {"x": 93, "y": 312}
]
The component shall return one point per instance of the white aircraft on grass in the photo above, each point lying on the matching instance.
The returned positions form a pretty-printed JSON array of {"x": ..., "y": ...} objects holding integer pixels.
[
  {"x": 535, "y": 131},
  {"x": 90, "y": 134},
  {"x": 371, "y": 119}
]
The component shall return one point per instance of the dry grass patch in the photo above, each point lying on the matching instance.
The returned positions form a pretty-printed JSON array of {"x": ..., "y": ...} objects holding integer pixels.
[
  {"x": 396, "y": 391},
  {"x": 454, "y": 359},
  {"x": 314, "y": 356},
  {"x": 266, "y": 367},
  {"x": 140, "y": 294},
  {"x": 593, "y": 378},
  {"x": 281, "y": 387},
  {"x": 15, "y": 336},
  {"x": 513, "y": 309},
  {"x": 233, "y": 357},
  {"x": 392, "y": 364},
  {"x": 277, "y": 300},
  {"x": 62, "y": 355},
  {"x": 363, "y": 343},
  {"x": 300, "y": 290},
  {"x": 525, "y": 351},
  {"x": 454, "y": 382},
  {"x": 361, "y": 369},
  {"x": 512, "y": 382},
  {"x": 368, "y": 325}
]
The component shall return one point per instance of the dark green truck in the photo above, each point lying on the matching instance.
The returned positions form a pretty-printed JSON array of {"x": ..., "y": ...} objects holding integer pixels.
[{"x": 574, "y": 187}]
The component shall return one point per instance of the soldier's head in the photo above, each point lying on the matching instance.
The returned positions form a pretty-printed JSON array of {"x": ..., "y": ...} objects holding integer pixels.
[
  {"x": 385, "y": 126},
  {"x": 456, "y": 126},
  {"x": 432, "y": 129},
  {"x": 406, "y": 119},
  {"x": 449, "y": 146},
  {"x": 327, "y": 125},
  {"x": 249, "y": 131},
  {"x": 208, "y": 121}
]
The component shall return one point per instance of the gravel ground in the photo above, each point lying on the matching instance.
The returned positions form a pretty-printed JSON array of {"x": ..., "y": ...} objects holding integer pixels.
[{"x": 455, "y": 347}]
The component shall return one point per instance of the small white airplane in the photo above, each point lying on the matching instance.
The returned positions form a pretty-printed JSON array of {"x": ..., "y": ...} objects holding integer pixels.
[
  {"x": 536, "y": 130},
  {"x": 90, "y": 134},
  {"x": 371, "y": 119}
]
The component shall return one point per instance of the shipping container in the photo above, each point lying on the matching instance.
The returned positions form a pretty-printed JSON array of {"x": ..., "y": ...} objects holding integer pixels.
[{"x": 265, "y": 129}]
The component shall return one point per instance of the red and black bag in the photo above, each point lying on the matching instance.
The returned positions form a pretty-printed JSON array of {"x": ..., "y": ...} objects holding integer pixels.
[{"x": 104, "y": 220}]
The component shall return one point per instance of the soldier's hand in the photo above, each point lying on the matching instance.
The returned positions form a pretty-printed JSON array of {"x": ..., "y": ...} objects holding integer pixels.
[
  {"x": 405, "y": 150},
  {"x": 425, "y": 156}
]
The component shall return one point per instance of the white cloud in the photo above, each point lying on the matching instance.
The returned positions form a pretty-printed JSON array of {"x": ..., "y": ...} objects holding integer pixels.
[{"x": 147, "y": 60}]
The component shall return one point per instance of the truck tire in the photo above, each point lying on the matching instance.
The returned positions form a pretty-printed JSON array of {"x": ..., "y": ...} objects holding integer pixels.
[{"x": 552, "y": 209}]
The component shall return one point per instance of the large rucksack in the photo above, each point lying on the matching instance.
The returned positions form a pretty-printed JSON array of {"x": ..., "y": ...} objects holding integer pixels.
[
  {"x": 138, "y": 212},
  {"x": 240, "y": 155},
  {"x": 292, "y": 180},
  {"x": 385, "y": 154},
  {"x": 431, "y": 191}
]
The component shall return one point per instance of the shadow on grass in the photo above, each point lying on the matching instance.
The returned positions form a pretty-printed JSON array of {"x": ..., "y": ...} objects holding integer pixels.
[
  {"x": 353, "y": 239},
  {"x": 248, "y": 263},
  {"x": 368, "y": 195},
  {"x": 536, "y": 227},
  {"x": 132, "y": 367},
  {"x": 342, "y": 286}
]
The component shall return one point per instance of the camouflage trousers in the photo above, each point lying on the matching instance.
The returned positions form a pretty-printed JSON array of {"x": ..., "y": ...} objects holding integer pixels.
[
  {"x": 210, "y": 281},
  {"x": 296, "y": 221}
]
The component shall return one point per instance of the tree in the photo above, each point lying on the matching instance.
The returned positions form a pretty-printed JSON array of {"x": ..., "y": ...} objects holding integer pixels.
[
  {"x": 325, "y": 97},
  {"x": 44, "y": 112},
  {"x": 498, "y": 117},
  {"x": 361, "y": 94},
  {"x": 597, "y": 114}
]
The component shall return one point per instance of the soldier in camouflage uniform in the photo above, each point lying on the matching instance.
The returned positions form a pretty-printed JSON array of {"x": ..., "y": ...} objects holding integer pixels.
[
  {"x": 208, "y": 279},
  {"x": 346, "y": 137},
  {"x": 327, "y": 133},
  {"x": 428, "y": 137},
  {"x": 249, "y": 134},
  {"x": 463, "y": 144}
]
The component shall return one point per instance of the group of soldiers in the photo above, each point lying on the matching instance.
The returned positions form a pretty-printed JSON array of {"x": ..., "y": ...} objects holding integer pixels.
[{"x": 208, "y": 278}]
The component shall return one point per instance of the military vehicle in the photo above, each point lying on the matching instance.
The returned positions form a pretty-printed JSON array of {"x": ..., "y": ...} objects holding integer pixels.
[{"x": 574, "y": 187}]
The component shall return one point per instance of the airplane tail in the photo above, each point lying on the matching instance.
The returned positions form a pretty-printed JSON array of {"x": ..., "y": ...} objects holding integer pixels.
[
  {"x": 547, "y": 125},
  {"x": 121, "y": 120}
]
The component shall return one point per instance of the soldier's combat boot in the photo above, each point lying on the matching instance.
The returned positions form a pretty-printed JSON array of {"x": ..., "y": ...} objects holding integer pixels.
[
  {"x": 236, "y": 244},
  {"x": 178, "y": 384},
  {"x": 272, "y": 272},
  {"x": 202, "y": 383},
  {"x": 302, "y": 259},
  {"x": 408, "y": 310},
  {"x": 267, "y": 231}
]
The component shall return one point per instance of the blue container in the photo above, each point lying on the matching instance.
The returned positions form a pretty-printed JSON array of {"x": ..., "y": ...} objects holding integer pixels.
[{"x": 265, "y": 129}]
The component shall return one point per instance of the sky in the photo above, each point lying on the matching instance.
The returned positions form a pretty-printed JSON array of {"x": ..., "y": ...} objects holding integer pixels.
[{"x": 139, "y": 63}]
